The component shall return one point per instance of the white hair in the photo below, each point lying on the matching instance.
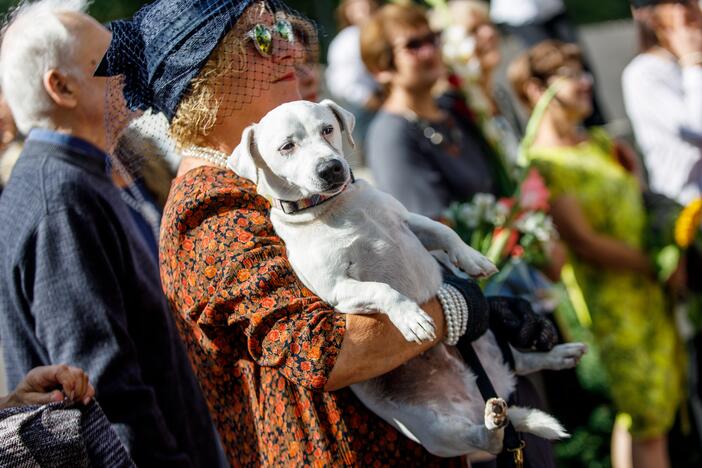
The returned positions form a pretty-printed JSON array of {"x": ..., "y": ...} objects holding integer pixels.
[{"x": 35, "y": 40}]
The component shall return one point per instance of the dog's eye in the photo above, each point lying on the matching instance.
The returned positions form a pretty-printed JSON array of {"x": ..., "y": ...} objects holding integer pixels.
[
  {"x": 328, "y": 130},
  {"x": 287, "y": 147}
]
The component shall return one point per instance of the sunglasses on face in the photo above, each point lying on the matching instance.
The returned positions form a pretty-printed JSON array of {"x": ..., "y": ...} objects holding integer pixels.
[
  {"x": 416, "y": 43},
  {"x": 262, "y": 36},
  {"x": 575, "y": 74}
]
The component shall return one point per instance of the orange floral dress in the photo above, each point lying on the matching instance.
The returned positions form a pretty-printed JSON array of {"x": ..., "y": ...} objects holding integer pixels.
[{"x": 261, "y": 344}]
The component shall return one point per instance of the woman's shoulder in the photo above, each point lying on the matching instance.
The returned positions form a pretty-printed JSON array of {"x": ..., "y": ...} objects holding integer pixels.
[
  {"x": 206, "y": 191},
  {"x": 647, "y": 67},
  {"x": 205, "y": 182}
]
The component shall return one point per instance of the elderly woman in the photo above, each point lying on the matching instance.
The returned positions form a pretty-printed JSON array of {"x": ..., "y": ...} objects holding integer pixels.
[
  {"x": 424, "y": 154},
  {"x": 267, "y": 352},
  {"x": 598, "y": 208}
]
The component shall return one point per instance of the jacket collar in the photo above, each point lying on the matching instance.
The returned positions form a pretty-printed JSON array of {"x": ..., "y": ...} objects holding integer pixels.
[{"x": 74, "y": 150}]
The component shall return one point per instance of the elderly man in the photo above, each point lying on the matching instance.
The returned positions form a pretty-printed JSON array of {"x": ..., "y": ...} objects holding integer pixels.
[{"x": 77, "y": 283}]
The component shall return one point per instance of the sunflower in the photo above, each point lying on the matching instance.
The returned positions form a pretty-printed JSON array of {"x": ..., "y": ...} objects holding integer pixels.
[{"x": 688, "y": 223}]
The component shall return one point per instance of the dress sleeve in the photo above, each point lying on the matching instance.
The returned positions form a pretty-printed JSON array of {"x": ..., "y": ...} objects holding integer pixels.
[{"x": 239, "y": 286}]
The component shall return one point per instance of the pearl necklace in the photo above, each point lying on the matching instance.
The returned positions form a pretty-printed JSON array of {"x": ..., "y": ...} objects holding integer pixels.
[{"x": 208, "y": 154}]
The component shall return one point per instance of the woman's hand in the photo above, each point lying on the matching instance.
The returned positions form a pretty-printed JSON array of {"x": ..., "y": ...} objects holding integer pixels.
[
  {"x": 685, "y": 38},
  {"x": 50, "y": 384}
]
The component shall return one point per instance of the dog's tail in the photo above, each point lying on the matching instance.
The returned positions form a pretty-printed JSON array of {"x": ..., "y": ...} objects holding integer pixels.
[{"x": 536, "y": 422}]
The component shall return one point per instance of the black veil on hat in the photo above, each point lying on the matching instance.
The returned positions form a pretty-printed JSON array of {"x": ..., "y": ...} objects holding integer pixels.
[
  {"x": 164, "y": 46},
  {"x": 169, "y": 52}
]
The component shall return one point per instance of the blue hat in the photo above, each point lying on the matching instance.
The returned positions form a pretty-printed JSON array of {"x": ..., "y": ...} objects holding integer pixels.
[{"x": 164, "y": 46}]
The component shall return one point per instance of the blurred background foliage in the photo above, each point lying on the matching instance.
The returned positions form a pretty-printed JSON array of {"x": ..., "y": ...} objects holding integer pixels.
[
  {"x": 323, "y": 11},
  {"x": 582, "y": 11}
]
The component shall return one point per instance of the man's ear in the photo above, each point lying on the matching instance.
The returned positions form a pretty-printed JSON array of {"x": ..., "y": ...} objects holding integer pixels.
[
  {"x": 346, "y": 119},
  {"x": 61, "y": 89},
  {"x": 243, "y": 159}
]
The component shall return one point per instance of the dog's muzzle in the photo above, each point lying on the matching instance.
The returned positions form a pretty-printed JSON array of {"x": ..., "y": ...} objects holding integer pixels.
[{"x": 332, "y": 172}]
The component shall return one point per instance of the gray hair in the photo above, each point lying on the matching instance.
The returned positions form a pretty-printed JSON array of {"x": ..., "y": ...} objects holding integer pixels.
[{"x": 35, "y": 40}]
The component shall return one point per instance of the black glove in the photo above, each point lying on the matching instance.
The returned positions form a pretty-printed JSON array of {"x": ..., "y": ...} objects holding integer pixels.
[
  {"x": 478, "y": 309},
  {"x": 513, "y": 319}
]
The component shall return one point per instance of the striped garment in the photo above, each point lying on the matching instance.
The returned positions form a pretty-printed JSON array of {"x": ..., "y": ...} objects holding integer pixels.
[{"x": 59, "y": 435}]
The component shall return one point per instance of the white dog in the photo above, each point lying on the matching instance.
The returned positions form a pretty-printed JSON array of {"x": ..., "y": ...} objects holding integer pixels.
[{"x": 361, "y": 251}]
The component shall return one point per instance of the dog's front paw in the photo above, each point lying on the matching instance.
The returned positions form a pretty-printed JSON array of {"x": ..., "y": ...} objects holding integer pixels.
[
  {"x": 565, "y": 356},
  {"x": 471, "y": 261},
  {"x": 414, "y": 324},
  {"x": 496, "y": 414}
]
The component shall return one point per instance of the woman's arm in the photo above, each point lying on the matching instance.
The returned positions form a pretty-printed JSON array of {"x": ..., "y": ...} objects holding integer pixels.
[
  {"x": 372, "y": 346},
  {"x": 598, "y": 249}
]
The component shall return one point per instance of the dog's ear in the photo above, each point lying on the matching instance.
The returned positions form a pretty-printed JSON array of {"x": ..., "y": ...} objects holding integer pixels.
[
  {"x": 243, "y": 159},
  {"x": 346, "y": 119}
]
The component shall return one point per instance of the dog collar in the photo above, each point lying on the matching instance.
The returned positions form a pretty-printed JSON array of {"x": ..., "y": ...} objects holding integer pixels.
[{"x": 292, "y": 207}]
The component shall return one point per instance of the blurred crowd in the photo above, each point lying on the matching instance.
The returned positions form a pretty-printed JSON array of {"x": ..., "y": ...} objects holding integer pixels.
[{"x": 140, "y": 260}]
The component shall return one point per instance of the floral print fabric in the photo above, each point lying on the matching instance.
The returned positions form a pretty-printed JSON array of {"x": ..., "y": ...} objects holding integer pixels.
[
  {"x": 631, "y": 323},
  {"x": 261, "y": 344}
]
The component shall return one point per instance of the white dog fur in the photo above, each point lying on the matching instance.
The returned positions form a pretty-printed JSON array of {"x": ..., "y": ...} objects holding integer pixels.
[{"x": 363, "y": 252}]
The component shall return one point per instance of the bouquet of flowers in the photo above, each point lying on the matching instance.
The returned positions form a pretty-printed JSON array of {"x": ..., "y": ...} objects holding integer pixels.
[
  {"x": 511, "y": 228},
  {"x": 515, "y": 233}
]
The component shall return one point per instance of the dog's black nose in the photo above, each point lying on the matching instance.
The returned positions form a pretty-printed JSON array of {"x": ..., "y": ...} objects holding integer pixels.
[{"x": 331, "y": 171}]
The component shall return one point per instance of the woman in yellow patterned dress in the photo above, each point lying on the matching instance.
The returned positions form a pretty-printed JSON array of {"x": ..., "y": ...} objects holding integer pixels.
[{"x": 598, "y": 208}]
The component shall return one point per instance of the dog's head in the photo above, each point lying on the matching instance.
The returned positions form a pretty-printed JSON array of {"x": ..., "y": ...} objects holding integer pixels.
[{"x": 295, "y": 151}]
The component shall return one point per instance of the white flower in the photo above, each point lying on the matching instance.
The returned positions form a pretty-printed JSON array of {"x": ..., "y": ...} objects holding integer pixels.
[
  {"x": 538, "y": 224},
  {"x": 469, "y": 215},
  {"x": 483, "y": 200},
  {"x": 501, "y": 213},
  {"x": 485, "y": 205},
  {"x": 458, "y": 49}
]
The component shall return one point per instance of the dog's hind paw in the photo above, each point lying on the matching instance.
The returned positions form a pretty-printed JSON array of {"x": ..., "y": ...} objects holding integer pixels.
[
  {"x": 414, "y": 324},
  {"x": 496, "y": 414},
  {"x": 565, "y": 356}
]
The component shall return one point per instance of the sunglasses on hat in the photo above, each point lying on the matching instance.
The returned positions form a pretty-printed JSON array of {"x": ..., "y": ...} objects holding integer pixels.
[{"x": 262, "y": 36}]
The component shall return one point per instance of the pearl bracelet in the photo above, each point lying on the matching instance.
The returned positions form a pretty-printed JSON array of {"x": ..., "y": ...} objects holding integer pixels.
[{"x": 455, "y": 313}]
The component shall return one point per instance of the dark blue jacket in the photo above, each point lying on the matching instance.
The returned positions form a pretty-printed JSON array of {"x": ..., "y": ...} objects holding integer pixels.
[{"x": 78, "y": 286}]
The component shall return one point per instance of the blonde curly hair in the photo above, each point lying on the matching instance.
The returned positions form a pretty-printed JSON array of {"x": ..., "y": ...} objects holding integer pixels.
[{"x": 197, "y": 112}]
